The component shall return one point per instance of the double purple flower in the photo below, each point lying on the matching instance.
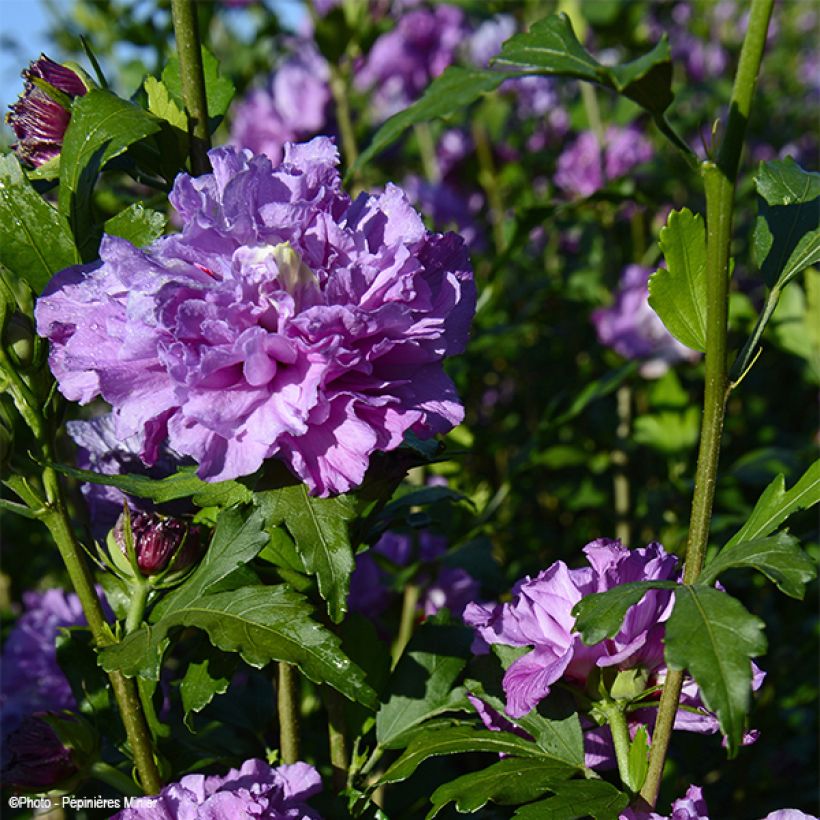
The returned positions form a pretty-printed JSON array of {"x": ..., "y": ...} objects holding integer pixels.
[{"x": 284, "y": 321}]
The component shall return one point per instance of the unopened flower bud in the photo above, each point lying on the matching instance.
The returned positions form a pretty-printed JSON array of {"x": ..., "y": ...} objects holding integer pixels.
[
  {"x": 35, "y": 758},
  {"x": 157, "y": 539},
  {"x": 40, "y": 117},
  {"x": 19, "y": 340}
]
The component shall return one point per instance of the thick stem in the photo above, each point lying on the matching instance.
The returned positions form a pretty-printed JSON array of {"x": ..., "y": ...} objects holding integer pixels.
[
  {"x": 619, "y": 727},
  {"x": 287, "y": 701},
  {"x": 192, "y": 80},
  {"x": 336, "y": 733},
  {"x": 719, "y": 183}
]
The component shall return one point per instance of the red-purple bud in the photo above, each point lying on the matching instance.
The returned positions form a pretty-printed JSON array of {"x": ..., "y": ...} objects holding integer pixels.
[
  {"x": 156, "y": 538},
  {"x": 39, "y": 120},
  {"x": 35, "y": 758}
]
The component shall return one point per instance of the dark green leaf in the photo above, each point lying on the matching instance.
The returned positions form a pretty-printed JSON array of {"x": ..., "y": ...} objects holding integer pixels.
[
  {"x": 677, "y": 293},
  {"x": 455, "y": 89},
  {"x": 779, "y": 558},
  {"x": 784, "y": 182},
  {"x": 138, "y": 224},
  {"x": 576, "y": 799},
  {"x": 204, "y": 679},
  {"x": 776, "y": 504},
  {"x": 219, "y": 90},
  {"x": 422, "y": 683},
  {"x": 183, "y": 484},
  {"x": 102, "y": 127},
  {"x": 450, "y": 740},
  {"x": 262, "y": 624},
  {"x": 805, "y": 254},
  {"x": 509, "y": 782},
  {"x": 601, "y": 614},
  {"x": 319, "y": 530},
  {"x": 77, "y": 659},
  {"x": 237, "y": 539},
  {"x": 714, "y": 636},
  {"x": 593, "y": 391},
  {"x": 37, "y": 241}
]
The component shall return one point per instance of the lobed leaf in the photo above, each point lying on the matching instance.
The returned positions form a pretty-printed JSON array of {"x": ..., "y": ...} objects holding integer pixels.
[
  {"x": 509, "y": 782},
  {"x": 204, "y": 679},
  {"x": 319, "y": 527},
  {"x": 136, "y": 223},
  {"x": 600, "y": 615},
  {"x": 37, "y": 240},
  {"x": 779, "y": 558},
  {"x": 576, "y": 799},
  {"x": 714, "y": 636},
  {"x": 776, "y": 504},
  {"x": 677, "y": 293},
  {"x": 219, "y": 90}
]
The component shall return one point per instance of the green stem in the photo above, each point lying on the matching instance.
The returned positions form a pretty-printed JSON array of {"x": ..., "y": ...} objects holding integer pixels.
[
  {"x": 427, "y": 150},
  {"x": 488, "y": 179},
  {"x": 619, "y": 727},
  {"x": 336, "y": 733},
  {"x": 192, "y": 80},
  {"x": 287, "y": 701},
  {"x": 136, "y": 609},
  {"x": 115, "y": 778},
  {"x": 339, "y": 88},
  {"x": 409, "y": 603},
  {"x": 620, "y": 460},
  {"x": 719, "y": 183}
]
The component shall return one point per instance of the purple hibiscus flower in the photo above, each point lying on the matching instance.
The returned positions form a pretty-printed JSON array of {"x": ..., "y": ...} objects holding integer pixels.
[
  {"x": 540, "y": 615},
  {"x": 633, "y": 329},
  {"x": 691, "y": 806},
  {"x": 284, "y": 321},
  {"x": 402, "y": 62},
  {"x": 586, "y": 165},
  {"x": 255, "y": 790},
  {"x": 38, "y": 120},
  {"x": 293, "y": 106}
]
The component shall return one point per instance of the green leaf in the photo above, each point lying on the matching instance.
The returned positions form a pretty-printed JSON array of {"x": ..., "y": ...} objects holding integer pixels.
[
  {"x": 593, "y": 391},
  {"x": 136, "y": 223},
  {"x": 551, "y": 47},
  {"x": 422, "y": 683},
  {"x": 182, "y": 484},
  {"x": 669, "y": 432},
  {"x": 638, "y": 759},
  {"x": 77, "y": 658},
  {"x": 509, "y": 782},
  {"x": 600, "y": 615},
  {"x": 677, "y": 293},
  {"x": 219, "y": 90},
  {"x": 455, "y": 89},
  {"x": 319, "y": 527},
  {"x": 262, "y": 624},
  {"x": 779, "y": 558},
  {"x": 204, "y": 679},
  {"x": 450, "y": 740},
  {"x": 237, "y": 539},
  {"x": 789, "y": 211},
  {"x": 576, "y": 799},
  {"x": 102, "y": 127},
  {"x": 163, "y": 105},
  {"x": 37, "y": 241},
  {"x": 776, "y": 504},
  {"x": 714, "y": 636}
]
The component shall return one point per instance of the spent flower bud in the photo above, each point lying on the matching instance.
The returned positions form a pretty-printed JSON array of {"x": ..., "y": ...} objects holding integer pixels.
[
  {"x": 158, "y": 540},
  {"x": 35, "y": 758},
  {"x": 40, "y": 116}
]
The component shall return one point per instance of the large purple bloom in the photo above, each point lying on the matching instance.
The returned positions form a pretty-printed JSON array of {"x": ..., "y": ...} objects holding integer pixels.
[
  {"x": 256, "y": 790},
  {"x": 293, "y": 105},
  {"x": 540, "y": 616},
  {"x": 633, "y": 329},
  {"x": 285, "y": 320}
]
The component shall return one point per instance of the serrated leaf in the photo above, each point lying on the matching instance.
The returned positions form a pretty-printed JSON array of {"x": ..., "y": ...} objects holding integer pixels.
[
  {"x": 509, "y": 782},
  {"x": 714, "y": 636},
  {"x": 455, "y": 89},
  {"x": 784, "y": 182},
  {"x": 163, "y": 105},
  {"x": 319, "y": 527},
  {"x": 677, "y": 293},
  {"x": 37, "y": 241},
  {"x": 776, "y": 504},
  {"x": 779, "y": 558},
  {"x": 102, "y": 127},
  {"x": 136, "y": 223},
  {"x": 204, "y": 679},
  {"x": 262, "y": 624},
  {"x": 238, "y": 538},
  {"x": 805, "y": 254},
  {"x": 577, "y": 799},
  {"x": 600, "y": 615},
  {"x": 422, "y": 685},
  {"x": 183, "y": 484},
  {"x": 219, "y": 90},
  {"x": 449, "y": 740}
]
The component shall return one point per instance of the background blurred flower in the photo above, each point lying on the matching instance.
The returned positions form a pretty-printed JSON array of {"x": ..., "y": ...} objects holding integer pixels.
[{"x": 34, "y": 758}]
